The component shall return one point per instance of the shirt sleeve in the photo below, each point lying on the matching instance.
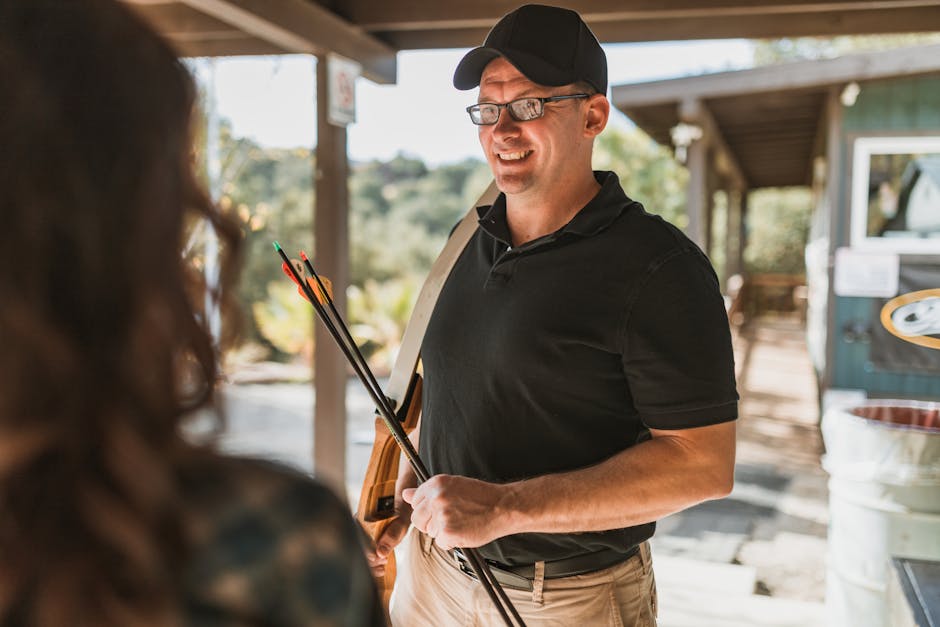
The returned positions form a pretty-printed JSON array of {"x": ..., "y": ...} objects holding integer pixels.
[{"x": 677, "y": 354}]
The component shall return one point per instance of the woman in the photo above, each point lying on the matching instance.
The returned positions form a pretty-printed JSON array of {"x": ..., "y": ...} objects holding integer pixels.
[{"x": 108, "y": 516}]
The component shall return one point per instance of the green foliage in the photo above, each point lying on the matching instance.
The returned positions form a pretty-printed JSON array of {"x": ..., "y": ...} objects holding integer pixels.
[
  {"x": 270, "y": 192},
  {"x": 381, "y": 310},
  {"x": 401, "y": 214},
  {"x": 777, "y": 229},
  {"x": 767, "y": 52},
  {"x": 647, "y": 172},
  {"x": 285, "y": 319}
]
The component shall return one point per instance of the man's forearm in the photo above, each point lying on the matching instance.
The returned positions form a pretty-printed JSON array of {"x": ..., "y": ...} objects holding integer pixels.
[
  {"x": 668, "y": 473},
  {"x": 641, "y": 484}
]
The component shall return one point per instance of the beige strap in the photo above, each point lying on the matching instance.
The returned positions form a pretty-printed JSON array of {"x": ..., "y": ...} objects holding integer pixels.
[
  {"x": 538, "y": 584},
  {"x": 407, "y": 359}
]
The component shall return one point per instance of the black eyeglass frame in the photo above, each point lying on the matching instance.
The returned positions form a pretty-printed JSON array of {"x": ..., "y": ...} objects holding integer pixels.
[{"x": 508, "y": 106}]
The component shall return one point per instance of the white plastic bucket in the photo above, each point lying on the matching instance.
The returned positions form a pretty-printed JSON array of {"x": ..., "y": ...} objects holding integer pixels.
[{"x": 883, "y": 460}]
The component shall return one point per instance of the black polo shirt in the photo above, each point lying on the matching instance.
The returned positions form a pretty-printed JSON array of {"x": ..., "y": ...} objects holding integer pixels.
[{"x": 562, "y": 352}]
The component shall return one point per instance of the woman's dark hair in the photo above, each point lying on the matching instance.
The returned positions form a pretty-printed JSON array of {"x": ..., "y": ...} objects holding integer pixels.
[{"x": 104, "y": 349}]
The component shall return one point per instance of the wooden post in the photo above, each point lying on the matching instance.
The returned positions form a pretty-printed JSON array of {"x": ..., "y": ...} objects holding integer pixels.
[
  {"x": 331, "y": 256},
  {"x": 697, "y": 193},
  {"x": 712, "y": 185},
  {"x": 836, "y": 191},
  {"x": 733, "y": 243},
  {"x": 742, "y": 231}
]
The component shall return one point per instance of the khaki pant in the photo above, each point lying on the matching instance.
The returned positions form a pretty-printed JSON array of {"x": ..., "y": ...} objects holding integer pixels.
[{"x": 431, "y": 591}]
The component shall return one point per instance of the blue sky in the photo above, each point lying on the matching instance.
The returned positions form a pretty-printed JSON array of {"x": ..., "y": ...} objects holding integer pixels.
[{"x": 272, "y": 99}]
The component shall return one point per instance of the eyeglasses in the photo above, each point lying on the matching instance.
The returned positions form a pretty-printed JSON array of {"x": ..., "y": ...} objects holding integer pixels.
[{"x": 521, "y": 109}]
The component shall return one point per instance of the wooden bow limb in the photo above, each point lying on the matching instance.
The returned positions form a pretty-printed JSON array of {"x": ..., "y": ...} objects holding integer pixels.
[{"x": 376, "y": 509}]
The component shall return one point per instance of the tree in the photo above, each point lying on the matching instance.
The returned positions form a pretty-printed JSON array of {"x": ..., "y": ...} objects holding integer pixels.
[
  {"x": 777, "y": 229},
  {"x": 401, "y": 213},
  {"x": 646, "y": 170},
  {"x": 767, "y": 52}
]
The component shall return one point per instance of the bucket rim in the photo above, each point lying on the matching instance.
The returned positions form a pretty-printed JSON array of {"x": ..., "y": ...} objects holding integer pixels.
[{"x": 846, "y": 409}]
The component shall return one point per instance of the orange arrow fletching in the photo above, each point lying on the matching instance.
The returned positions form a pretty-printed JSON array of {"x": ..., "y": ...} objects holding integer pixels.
[
  {"x": 316, "y": 288},
  {"x": 311, "y": 283}
]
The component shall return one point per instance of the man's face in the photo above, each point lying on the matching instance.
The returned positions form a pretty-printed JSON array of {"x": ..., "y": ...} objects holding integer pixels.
[{"x": 534, "y": 157}]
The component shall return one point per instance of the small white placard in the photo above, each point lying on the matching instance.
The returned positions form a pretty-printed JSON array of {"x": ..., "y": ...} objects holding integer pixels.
[
  {"x": 342, "y": 73},
  {"x": 874, "y": 275}
]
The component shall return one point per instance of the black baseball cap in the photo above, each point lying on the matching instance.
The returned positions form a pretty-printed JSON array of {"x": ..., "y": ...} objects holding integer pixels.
[{"x": 549, "y": 45}]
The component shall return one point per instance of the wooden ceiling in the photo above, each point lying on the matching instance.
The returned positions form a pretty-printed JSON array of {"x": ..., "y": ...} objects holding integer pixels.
[
  {"x": 769, "y": 118},
  {"x": 372, "y": 31}
]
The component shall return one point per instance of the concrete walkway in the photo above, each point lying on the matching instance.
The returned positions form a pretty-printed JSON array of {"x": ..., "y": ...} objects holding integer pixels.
[{"x": 756, "y": 558}]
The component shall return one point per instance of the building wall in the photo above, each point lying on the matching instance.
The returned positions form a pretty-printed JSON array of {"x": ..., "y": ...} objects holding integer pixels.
[{"x": 887, "y": 108}]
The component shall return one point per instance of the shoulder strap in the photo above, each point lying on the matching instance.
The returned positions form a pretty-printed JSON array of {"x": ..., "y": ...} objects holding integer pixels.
[{"x": 407, "y": 359}]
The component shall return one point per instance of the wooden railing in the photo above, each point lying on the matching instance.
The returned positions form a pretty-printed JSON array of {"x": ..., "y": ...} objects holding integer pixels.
[{"x": 758, "y": 294}]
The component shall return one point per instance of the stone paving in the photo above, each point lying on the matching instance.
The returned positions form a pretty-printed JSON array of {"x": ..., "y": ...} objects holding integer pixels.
[
  {"x": 773, "y": 525},
  {"x": 775, "y": 519}
]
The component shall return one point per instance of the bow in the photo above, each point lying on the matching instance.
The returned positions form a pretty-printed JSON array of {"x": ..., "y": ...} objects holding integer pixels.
[
  {"x": 376, "y": 508},
  {"x": 377, "y": 499},
  {"x": 377, "y": 504}
]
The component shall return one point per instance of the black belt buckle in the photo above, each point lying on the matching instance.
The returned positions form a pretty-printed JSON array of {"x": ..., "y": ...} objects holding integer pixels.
[{"x": 505, "y": 578}]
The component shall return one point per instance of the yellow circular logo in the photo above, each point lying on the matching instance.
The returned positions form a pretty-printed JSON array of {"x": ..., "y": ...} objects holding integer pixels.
[{"x": 914, "y": 317}]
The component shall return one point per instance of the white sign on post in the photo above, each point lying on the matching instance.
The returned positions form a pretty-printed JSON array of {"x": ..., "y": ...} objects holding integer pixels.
[
  {"x": 342, "y": 74},
  {"x": 860, "y": 273}
]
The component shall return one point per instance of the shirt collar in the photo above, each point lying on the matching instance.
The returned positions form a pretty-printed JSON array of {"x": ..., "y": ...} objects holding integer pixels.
[{"x": 594, "y": 217}]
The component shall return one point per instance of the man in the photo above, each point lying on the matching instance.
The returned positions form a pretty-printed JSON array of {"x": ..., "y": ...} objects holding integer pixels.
[{"x": 579, "y": 379}]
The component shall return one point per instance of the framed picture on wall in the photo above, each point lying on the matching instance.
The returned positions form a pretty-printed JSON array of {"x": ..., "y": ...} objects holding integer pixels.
[{"x": 896, "y": 194}]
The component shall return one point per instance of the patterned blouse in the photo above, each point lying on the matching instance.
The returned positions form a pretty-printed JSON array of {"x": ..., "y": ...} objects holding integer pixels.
[{"x": 272, "y": 547}]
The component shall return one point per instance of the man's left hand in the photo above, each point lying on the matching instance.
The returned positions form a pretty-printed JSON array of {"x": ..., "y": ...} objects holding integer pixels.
[{"x": 459, "y": 511}]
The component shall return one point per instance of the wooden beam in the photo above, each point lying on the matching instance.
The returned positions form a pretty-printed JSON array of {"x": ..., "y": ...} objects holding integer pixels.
[
  {"x": 236, "y": 45},
  {"x": 300, "y": 26},
  {"x": 397, "y": 15},
  {"x": 828, "y": 24},
  {"x": 785, "y": 76},
  {"x": 331, "y": 243},
  {"x": 195, "y": 34},
  {"x": 693, "y": 111},
  {"x": 369, "y": 28},
  {"x": 174, "y": 19}
]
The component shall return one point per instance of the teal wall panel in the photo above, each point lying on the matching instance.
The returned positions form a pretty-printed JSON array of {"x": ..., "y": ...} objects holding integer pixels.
[
  {"x": 902, "y": 107},
  {"x": 854, "y": 368},
  {"x": 908, "y": 105}
]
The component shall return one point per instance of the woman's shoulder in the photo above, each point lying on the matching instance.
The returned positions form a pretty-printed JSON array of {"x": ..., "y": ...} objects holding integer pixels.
[
  {"x": 225, "y": 485},
  {"x": 268, "y": 540}
]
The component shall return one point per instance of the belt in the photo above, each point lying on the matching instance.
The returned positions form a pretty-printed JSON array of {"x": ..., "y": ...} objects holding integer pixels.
[{"x": 521, "y": 577}]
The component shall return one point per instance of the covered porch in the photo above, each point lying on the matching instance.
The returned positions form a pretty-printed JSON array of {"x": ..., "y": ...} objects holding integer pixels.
[{"x": 371, "y": 32}]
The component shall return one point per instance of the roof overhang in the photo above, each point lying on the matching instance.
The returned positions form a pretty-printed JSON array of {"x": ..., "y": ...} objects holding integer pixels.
[
  {"x": 372, "y": 31},
  {"x": 769, "y": 118},
  {"x": 243, "y": 27},
  {"x": 445, "y": 24}
]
